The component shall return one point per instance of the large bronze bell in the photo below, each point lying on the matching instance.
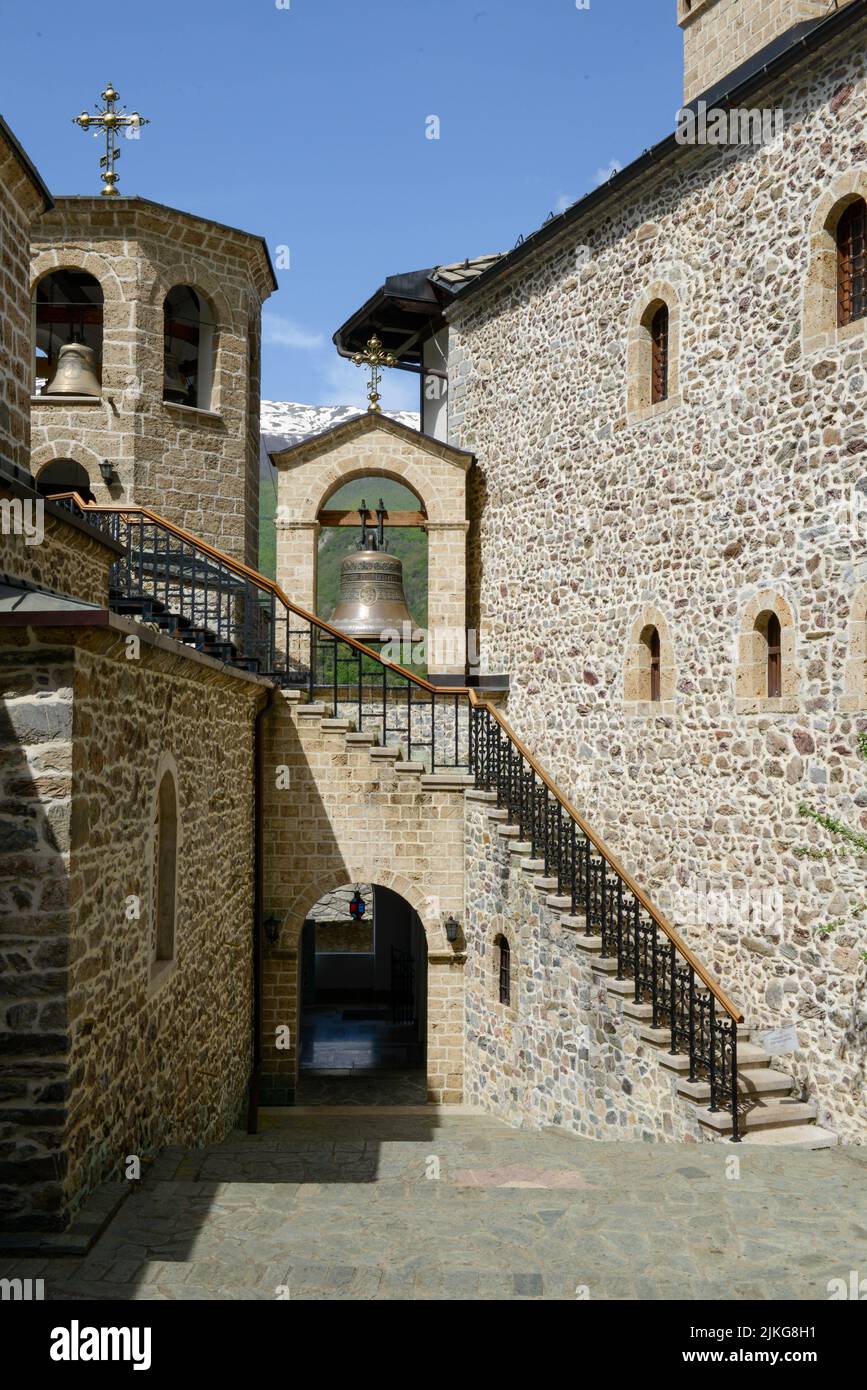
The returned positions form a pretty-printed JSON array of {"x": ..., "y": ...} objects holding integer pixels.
[
  {"x": 75, "y": 374},
  {"x": 371, "y": 604}
]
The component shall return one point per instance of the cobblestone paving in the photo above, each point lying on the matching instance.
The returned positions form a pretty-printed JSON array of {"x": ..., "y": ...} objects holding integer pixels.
[{"x": 349, "y": 1206}]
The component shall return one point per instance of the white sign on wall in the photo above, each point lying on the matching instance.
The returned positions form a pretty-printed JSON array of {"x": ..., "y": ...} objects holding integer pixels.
[{"x": 779, "y": 1041}]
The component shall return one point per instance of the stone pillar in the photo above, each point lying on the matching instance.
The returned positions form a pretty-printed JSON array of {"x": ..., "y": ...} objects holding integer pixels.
[
  {"x": 445, "y": 1028},
  {"x": 447, "y": 596},
  {"x": 280, "y": 990},
  {"x": 297, "y": 553}
]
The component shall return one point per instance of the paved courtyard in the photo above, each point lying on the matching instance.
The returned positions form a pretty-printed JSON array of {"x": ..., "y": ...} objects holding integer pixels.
[{"x": 378, "y": 1204}]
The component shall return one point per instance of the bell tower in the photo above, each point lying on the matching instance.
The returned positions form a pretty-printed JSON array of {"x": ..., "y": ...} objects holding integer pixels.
[
  {"x": 720, "y": 35},
  {"x": 146, "y": 331}
]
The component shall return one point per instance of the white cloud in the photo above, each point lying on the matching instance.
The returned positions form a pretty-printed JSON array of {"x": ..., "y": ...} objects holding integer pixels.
[
  {"x": 281, "y": 332},
  {"x": 603, "y": 175},
  {"x": 345, "y": 384},
  {"x": 564, "y": 201}
]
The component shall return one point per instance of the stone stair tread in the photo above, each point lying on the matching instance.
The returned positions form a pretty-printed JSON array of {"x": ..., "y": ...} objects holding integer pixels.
[
  {"x": 544, "y": 884},
  {"x": 521, "y": 847},
  {"x": 414, "y": 768},
  {"x": 508, "y": 831},
  {"x": 640, "y": 1011},
  {"x": 770, "y": 1113},
  {"x": 339, "y": 725},
  {"x": 793, "y": 1136},
  {"x": 752, "y": 1081},
  {"x": 362, "y": 738},
  {"x": 447, "y": 780},
  {"x": 533, "y": 866},
  {"x": 386, "y": 753},
  {"x": 558, "y": 903},
  {"x": 476, "y": 794},
  {"x": 312, "y": 711}
]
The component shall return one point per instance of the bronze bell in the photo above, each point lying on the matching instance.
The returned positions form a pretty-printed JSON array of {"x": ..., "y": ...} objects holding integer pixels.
[
  {"x": 76, "y": 372},
  {"x": 175, "y": 386},
  {"x": 371, "y": 603}
]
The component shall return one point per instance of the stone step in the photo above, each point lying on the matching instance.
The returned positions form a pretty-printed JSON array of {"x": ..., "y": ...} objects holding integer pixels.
[
  {"x": 765, "y": 1115},
  {"x": 476, "y": 794},
  {"x": 641, "y": 1011},
  {"x": 748, "y": 1054},
  {"x": 605, "y": 965},
  {"x": 533, "y": 866},
  {"x": 497, "y": 813},
  {"x": 339, "y": 726},
  {"x": 446, "y": 781},
  {"x": 752, "y": 1081},
  {"x": 793, "y": 1137},
  {"x": 311, "y": 711},
  {"x": 362, "y": 739},
  {"x": 386, "y": 754},
  {"x": 510, "y": 832},
  {"x": 544, "y": 885},
  {"x": 520, "y": 847},
  {"x": 409, "y": 769},
  {"x": 625, "y": 987},
  {"x": 558, "y": 903}
]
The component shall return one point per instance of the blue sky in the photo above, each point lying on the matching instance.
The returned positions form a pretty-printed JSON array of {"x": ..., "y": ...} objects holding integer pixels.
[{"x": 307, "y": 126}]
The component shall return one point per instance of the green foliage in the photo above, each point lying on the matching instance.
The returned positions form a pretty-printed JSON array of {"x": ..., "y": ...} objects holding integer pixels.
[{"x": 836, "y": 827}]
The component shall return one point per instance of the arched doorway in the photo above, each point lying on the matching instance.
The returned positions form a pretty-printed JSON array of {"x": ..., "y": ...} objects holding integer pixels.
[
  {"x": 363, "y": 1005},
  {"x": 64, "y": 475}
]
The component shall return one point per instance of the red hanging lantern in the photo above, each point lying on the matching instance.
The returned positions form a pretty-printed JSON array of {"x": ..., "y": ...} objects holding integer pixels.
[{"x": 357, "y": 906}]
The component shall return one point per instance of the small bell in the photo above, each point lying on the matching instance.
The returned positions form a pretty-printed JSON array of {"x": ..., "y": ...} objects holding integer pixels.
[
  {"x": 175, "y": 387},
  {"x": 76, "y": 373}
]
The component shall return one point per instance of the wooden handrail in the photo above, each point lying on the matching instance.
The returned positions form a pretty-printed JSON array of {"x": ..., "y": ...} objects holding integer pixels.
[
  {"x": 599, "y": 844},
  {"x": 475, "y": 701}
]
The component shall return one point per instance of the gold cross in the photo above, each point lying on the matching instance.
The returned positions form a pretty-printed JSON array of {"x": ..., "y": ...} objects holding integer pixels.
[
  {"x": 374, "y": 357},
  {"x": 111, "y": 121}
]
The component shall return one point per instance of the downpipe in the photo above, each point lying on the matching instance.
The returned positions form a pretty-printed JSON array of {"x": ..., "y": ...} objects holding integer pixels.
[{"x": 258, "y": 900}]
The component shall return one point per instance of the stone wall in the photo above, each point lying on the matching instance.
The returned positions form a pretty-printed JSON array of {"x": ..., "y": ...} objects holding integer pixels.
[
  {"x": 561, "y": 1053},
  {"x": 720, "y": 35},
  {"x": 197, "y": 467},
  {"x": 740, "y": 494},
  {"x": 20, "y": 202},
  {"x": 338, "y": 811},
  {"x": 70, "y": 560},
  {"x": 106, "y": 1059}
]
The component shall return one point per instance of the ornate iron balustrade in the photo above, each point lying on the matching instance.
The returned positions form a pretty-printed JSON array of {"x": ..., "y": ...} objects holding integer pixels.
[
  {"x": 224, "y": 608},
  {"x": 685, "y": 1002}
]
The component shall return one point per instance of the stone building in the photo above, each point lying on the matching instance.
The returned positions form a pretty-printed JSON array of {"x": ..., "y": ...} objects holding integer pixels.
[
  {"x": 171, "y": 305},
  {"x": 626, "y": 876}
]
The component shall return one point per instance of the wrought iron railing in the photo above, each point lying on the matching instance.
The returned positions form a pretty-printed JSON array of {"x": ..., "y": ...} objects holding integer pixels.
[{"x": 226, "y": 609}]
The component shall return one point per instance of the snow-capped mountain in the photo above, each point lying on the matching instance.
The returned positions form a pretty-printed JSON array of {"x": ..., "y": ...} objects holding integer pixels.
[{"x": 284, "y": 423}]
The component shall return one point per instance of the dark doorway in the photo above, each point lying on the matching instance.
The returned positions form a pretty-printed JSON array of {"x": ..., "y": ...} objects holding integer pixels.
[{"x": 363, "y": 1002}]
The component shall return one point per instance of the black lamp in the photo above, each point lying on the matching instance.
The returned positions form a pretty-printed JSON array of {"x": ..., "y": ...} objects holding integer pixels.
[
  {"x": 452, "y": 930},
  {"x": 108, "y": 474},
  {"x": 272, "y": 928}
]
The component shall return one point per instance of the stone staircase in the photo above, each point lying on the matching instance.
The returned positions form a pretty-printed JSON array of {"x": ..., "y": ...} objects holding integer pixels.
[{"x": 771, "y": 1113}]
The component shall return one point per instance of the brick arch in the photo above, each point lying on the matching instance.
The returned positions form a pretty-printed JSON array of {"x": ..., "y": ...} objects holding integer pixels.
[
  {"x": 819, "y": 319},
  {"x": 422, "y": 903},
  {"x": 158, "y": 285},
  {"x": 71, "y": 449},
  {"x": 335, "y": 476},
  {"x": 750, "y": 676},
  {"x": 88, "y": 261}
]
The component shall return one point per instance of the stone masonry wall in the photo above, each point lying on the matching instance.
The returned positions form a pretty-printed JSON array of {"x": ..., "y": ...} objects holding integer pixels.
[
  {"x": 66, "y": 561},
  {"x": 107, "y": 1061},
  {"x": 345, "y": 813},
  {"x": 197, "y": 467},
  {"x": 19, "y": 204},
  {"x": 741, "y": 493},
  {"x": 561, "y": 1053},
  {"x": 719, "y": 35}
]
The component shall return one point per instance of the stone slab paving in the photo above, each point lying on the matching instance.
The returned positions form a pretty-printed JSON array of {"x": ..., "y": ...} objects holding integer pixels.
[{"x": 416, "y": 1205}]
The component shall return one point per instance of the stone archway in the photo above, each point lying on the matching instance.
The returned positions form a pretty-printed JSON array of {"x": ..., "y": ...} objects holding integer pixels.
[
  {"x": 375, "y": 446},
  {"x": 281, "y": 980}
]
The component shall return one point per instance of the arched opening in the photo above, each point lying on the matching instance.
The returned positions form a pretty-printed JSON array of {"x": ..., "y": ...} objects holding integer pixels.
[
  {"x": 503, "y": 970},
  {"x": 67, "y": 309},
  {"x": 164, "y": 884},
  {"x": 658, "y": 330},
  {"x": 189, "y": 334},
  {"x": 852, "y": 264},
  {"x": 363, "y": 1000},
  {"x": 64, "y": 475},
  {"x": 768, "y": 625}
]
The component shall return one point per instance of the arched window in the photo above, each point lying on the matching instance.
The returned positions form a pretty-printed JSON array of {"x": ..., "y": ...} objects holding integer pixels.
[
  {"x": 659, "y": 355},
  {"x": 188, "y": 328},
  {"x": 164, "y": 884},
  {"x": 504, "y": 969},
  {"x": 774, "y": 638},
  {"x": 68, "y": 308},
  {"x": 64, "y": 475},
  {"x": 650, "y": 638},
  {"x": 852, "y": 264}
]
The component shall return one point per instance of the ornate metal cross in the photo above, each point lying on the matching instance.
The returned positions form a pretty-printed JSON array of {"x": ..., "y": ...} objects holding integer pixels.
[
  {"x": 111, "y": 121},
  {"x": 375, "y": 357}
]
